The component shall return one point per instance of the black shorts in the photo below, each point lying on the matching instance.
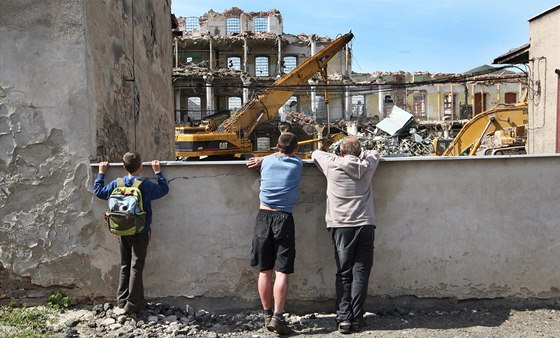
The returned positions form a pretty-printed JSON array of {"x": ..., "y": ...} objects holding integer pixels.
[{"x": 274, "y": 245}]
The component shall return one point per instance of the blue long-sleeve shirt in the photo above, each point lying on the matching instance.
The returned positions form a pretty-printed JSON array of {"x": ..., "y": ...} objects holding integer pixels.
[{"x": 150, "y": 191}]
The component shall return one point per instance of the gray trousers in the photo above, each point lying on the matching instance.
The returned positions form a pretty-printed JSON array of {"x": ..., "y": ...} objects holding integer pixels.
[
  {"x": 353, "y": 253},
  {"x": 133, "y": 255}
]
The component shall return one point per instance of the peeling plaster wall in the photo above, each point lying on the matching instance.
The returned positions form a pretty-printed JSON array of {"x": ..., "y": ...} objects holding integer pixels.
[
  {"x": 129, "y": 50},
  {"x": 458, "y": 228},
  {"x": 58, "y": 97}
]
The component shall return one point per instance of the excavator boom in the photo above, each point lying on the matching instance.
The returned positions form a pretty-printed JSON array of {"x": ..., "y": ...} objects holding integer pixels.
[
  {"x": 498, "y": 118},
  {"x": 232, "y": 136}
]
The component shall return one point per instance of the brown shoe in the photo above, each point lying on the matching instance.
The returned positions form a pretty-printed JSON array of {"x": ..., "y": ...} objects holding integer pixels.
[{"x": 279, "y": 326}]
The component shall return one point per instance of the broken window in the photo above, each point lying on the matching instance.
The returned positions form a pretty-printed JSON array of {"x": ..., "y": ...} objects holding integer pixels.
[
  {"x": 358, "y": 105},
  {"x": 191, "y": 23},
  {"x": 261, "y": 24},
  {"x": 289, "y": 63},
  {"x": 388, "y": 103},
  {"x": 449, "y": 104},
  {"x": 193, "y": 108},
  {"x": 419, "y": 104},
  {"x": 234, "y": 62},
  {"x": 291, "y": 104},
  {"x": 261, "y": 66},
  {"x": 233, "y": 25},
  {"x": 234, "y": 103},
  {"x": 320, "y": 108}
]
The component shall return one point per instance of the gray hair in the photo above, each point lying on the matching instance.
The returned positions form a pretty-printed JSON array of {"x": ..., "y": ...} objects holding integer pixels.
[{"x": 350, "y": 145}]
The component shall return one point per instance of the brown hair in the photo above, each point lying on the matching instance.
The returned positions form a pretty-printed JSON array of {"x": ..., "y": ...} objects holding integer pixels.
[
  {"x": 287, "y": 142},
  {"x": 132, "y": 161}
]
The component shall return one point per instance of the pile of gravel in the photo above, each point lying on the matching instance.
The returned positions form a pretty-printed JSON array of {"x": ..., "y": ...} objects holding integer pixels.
[{"x": 163, "y": 320}]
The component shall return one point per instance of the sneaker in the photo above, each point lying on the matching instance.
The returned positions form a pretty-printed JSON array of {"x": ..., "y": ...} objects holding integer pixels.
[
  {"x": 344, "y": 327},
  {"x": 279, "y": 326},
  {"x": 267, "y": 320},
  {"x": 357, "y": 325}
]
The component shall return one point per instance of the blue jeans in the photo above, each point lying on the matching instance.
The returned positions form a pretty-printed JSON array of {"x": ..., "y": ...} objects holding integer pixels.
[{"x": 353, "y": 252}]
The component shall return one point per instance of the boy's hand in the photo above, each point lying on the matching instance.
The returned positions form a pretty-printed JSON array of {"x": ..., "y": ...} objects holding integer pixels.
[
  {"x": 155, "y": 166},
  {"x": 103, "y": 166},
  {"x": 254, "y": 162}
]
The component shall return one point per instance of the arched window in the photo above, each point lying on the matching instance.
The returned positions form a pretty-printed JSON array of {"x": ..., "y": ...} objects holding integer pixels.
[
  {"x": 191, "y": 23},
  {"x": 290, "y": 63},
  {"x": 358, "y": 105},
  {"x": 234, "y": 103},
  {"x": 234, "y": 62},
  {"x": 261, "y": 24},
  {"x": 193, "y": 108},
  {"x": 233, "y": 25},
  {"x": 261, "y": 66}
]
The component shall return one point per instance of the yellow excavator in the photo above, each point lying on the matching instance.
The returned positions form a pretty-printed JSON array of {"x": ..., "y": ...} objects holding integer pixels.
[
  {"x": 507, "y": 121},
  {"x": 232, "y": 137}
]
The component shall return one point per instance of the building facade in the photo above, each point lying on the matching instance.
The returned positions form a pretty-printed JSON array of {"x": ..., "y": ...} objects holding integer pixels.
[{"x": 544, "y": 96}]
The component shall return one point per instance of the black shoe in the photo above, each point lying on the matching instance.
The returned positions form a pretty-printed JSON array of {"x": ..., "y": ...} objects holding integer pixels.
[
  {"x": 130, "y": 309},
  {"x": 357, "y": 325},
  {"x": 279, "y": 326},
  {"x": 344, "y": 327}
]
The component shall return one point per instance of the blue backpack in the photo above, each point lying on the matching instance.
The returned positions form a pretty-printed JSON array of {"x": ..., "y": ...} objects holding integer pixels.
[{"x": 126, "y": 215}]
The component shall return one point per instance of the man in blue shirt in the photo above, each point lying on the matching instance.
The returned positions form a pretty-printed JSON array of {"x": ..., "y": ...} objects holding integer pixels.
[{"x": 274, "y": 237}]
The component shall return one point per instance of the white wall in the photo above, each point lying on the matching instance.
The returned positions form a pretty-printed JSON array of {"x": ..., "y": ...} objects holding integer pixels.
[{"x": 460, "y": 228}]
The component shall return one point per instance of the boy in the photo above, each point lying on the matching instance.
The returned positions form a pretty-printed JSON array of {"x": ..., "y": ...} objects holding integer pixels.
[
  {"x": 274, "y": 235},
  {"x": 133, "y": 249}
]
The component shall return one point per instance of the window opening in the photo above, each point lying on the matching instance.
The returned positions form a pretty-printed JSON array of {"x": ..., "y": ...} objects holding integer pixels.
[
  {"x": 261, "y": 66},
  {"x": 233, "y": 25}
]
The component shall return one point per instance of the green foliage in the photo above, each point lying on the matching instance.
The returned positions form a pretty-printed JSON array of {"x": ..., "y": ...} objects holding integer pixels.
[
  {"x": 58, "y": 300},
  {"x": 25, "y": 322}
]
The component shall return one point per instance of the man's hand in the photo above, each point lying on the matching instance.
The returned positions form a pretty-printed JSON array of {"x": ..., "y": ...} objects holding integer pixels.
[
  {"x": 155, "y": 166},
  {"x": 103, "y": 166},
  {"x": 254, "y": 162}
]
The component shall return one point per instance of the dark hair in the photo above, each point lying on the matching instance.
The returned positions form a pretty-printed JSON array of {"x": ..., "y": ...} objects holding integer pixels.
[
  {"x": 132, "y": 161},
  {"x": 287, "y": 142},
  {"x": 350, "y": 145}
]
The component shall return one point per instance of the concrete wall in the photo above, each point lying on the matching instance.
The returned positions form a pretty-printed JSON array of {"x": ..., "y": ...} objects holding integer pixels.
[
  {"x": 459, "y": 228},
  {"x": 543, "y": 97},
  {"x": 65, "y": 94}
]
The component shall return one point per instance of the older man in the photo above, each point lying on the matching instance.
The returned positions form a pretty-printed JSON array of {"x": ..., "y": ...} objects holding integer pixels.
[{"x": 350, "y": 218}]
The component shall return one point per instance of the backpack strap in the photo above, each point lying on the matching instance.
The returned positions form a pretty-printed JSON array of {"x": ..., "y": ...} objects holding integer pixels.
[
  {"x": 120, "y": 182},
  {"x": 137, "y": 183}
]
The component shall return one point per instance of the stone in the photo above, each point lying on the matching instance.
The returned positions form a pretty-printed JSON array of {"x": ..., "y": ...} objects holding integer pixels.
[{"x": 108, "y": 321}]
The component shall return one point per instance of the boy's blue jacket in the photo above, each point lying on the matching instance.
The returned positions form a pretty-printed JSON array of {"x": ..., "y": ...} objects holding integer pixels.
[{"x": 150, "y": 191}]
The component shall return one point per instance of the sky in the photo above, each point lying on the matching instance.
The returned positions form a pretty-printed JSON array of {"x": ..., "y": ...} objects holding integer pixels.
[{"x": 436, "y": 36}]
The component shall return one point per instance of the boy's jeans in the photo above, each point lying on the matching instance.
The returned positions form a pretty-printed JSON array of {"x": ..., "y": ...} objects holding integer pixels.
[{"x": 133, "y": 255}]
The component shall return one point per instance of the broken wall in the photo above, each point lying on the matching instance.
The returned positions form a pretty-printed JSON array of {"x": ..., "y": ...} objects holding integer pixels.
[{"x": 64, "y": 83}]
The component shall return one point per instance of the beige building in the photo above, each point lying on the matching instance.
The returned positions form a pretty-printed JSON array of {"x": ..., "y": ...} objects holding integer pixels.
[
  {"x": 544, "y": 65},
  {"x": 542, "y": 57}
]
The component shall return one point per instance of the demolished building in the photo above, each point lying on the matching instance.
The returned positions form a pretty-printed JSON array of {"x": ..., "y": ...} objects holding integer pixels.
[{"x": 222, "y": 60}]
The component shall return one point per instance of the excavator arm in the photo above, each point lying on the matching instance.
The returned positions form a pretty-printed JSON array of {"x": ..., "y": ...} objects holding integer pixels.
[
  {"x": 232, "y": 136},
  {"x": 498, "y": 118}
]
